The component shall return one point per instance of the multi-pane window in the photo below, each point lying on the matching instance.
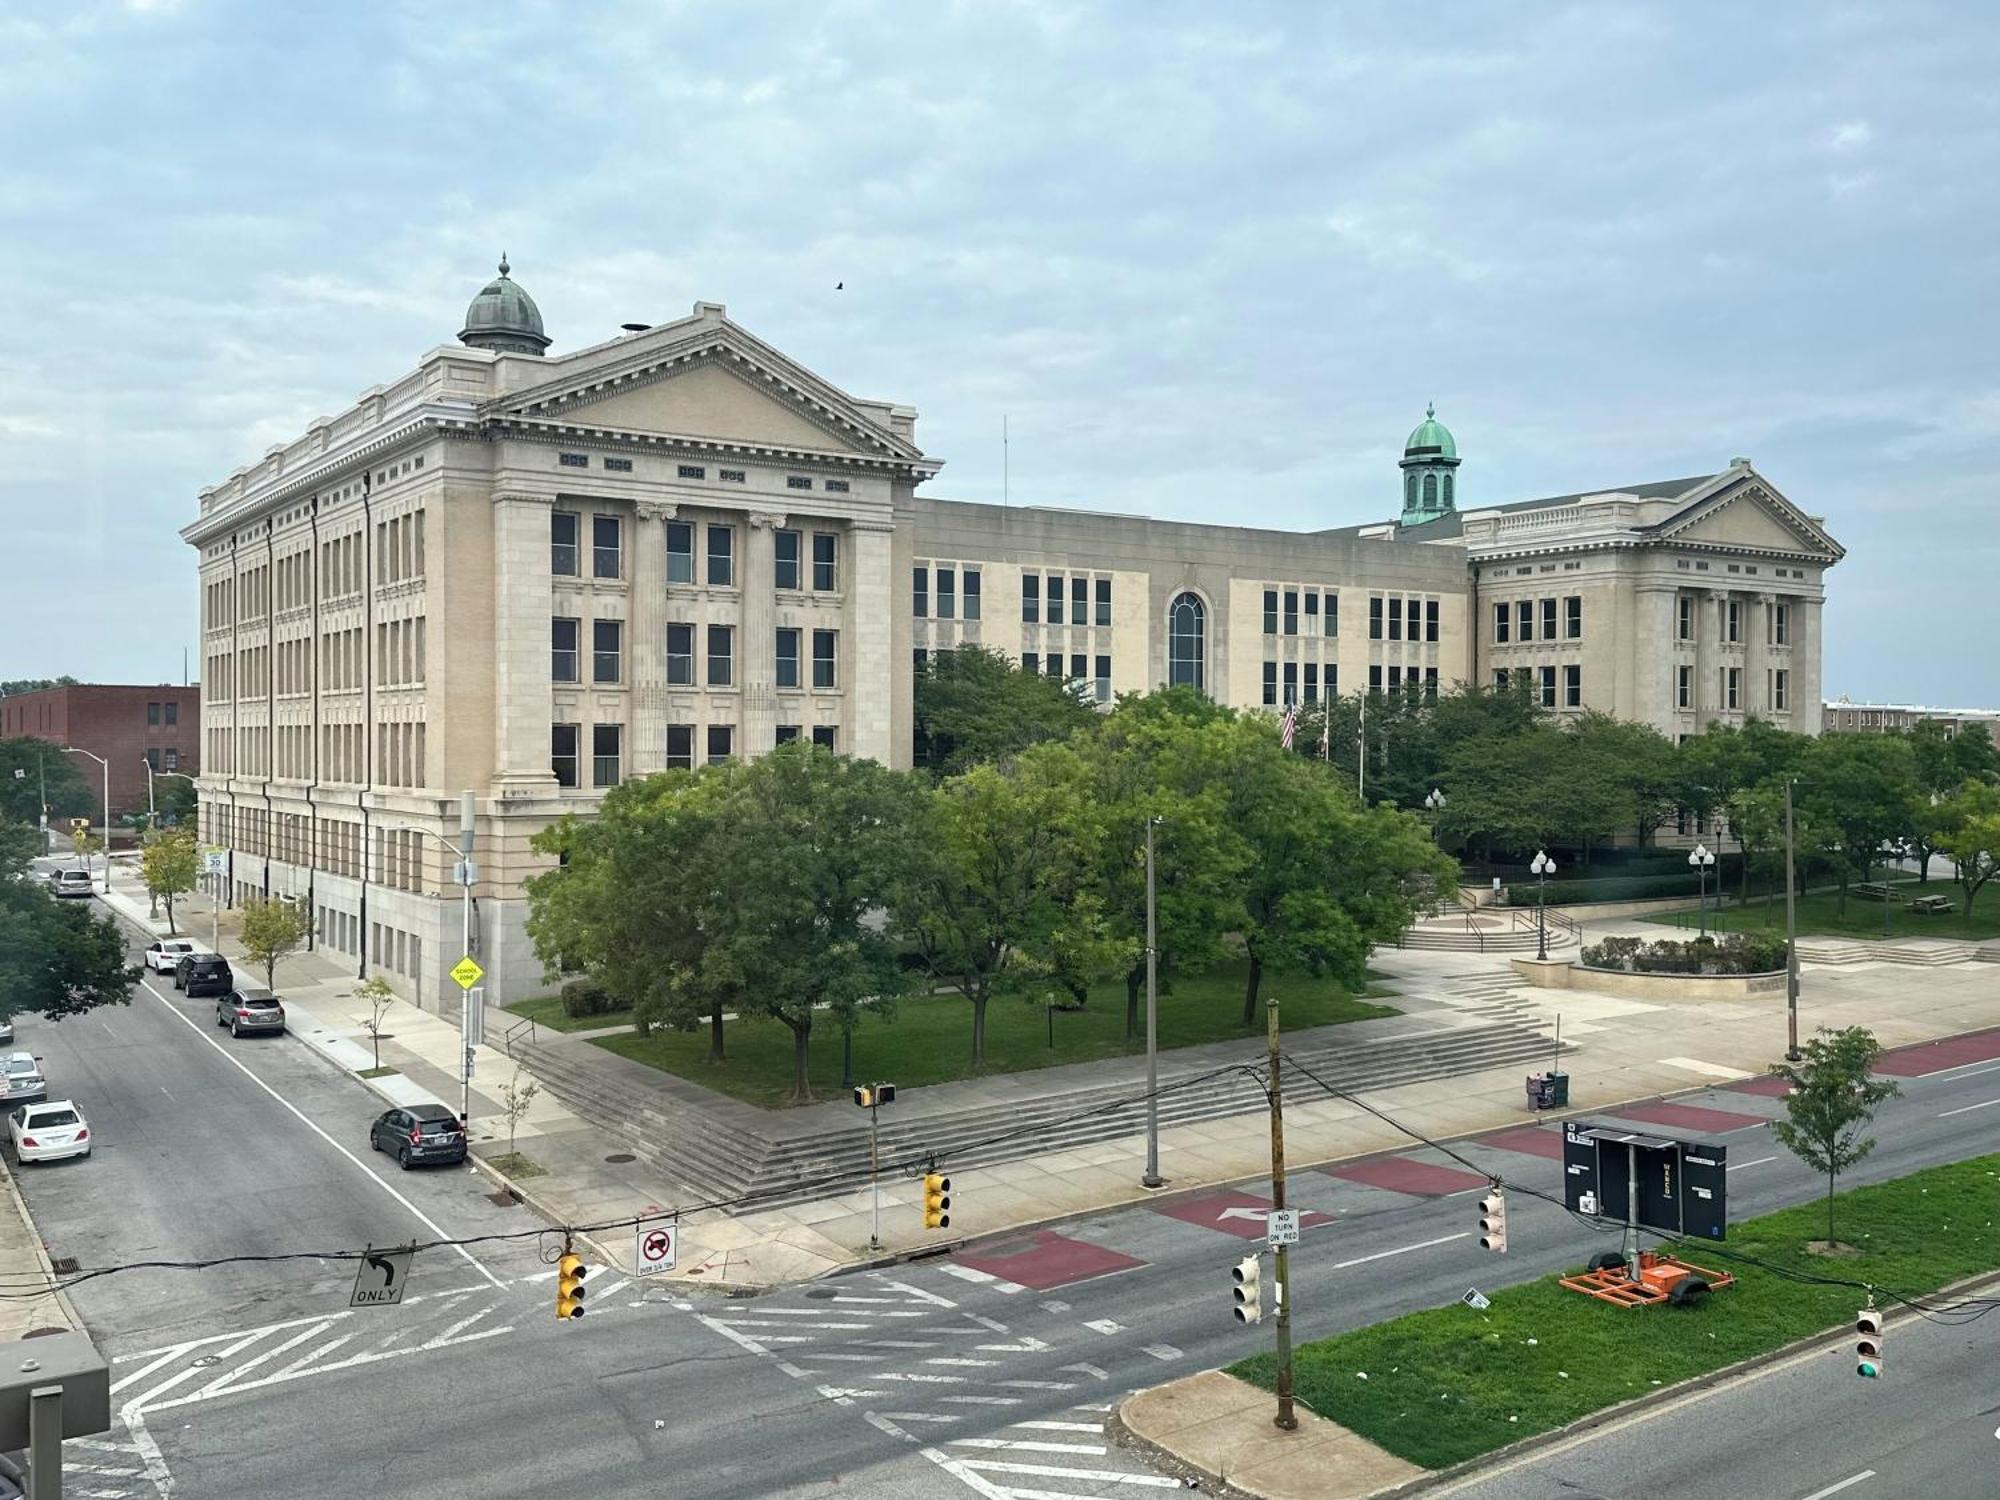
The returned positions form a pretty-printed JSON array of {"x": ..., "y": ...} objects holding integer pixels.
[
  {"x": 1572, "y": 687},
  {"x": 1684, "y": 687},
  {"x": 1104, "y": 601},
  {"x": 1431, "y": 683},
  {"x": 824, "y": 642},
  {"x": 719, "y": 737},
  {"x": 788, "y": 658},
  {"x": 1270, "y": 683},
  {"x": 786, "y": 734},
  {"x": 1187, "y": 650},
  {"x": 1291, "y": 611},
  {"x": 1103, "y": 679},
  {"x": 1734, "y": 613},
  {"x": 1375, "y": 677},
  {"x": 1732, "y": 687},
  {"x": 1503, "y": 618},
  {"x": 1312, "y": 682},
  {"x": 680, "y": 552},
  {"x": 562, "y": 753},
  {"x": 1031, "y": 662},
  {"x": 152, "y": 713},
  {"x": 1524, "y": 620},
  {"x": 1312, "y": 612},
  {"x": 173, "y": 712},
  {"x": 562, "y": 543},
  {"x": 605, "y": 643},
  {"x": 1781, "y": 624},
  {"x": 173, "y": 755},
  {"x": 825, "y": 550},
  {"x": 605, "y": 747},
  {"x": 1572, "y": 617},
  {"x": 605, "y": 547},
  {"x": 971, "y": 594},
  {"x": 1685, "y": 625},
  {"x": 1548, "y": 619},
  {"x": 1270, "y": 611},
  {"x": 721, "y": 556},
  {"x": 1500, "y": 679},
  {"x": 721, "y": 646},
  {"x": 823, "y": 736},
  {"x": 947, "y": 593},
  {"x": 1053, "y": 666},
  {"x": 788, "y": 560},
  {"x": 920, "y": 592},
  {"x": 680, "y": 655},
  {"x": 562, "y": 641},
  {"x": 1031, "y": 598},
  {"x": 1395, "y": 617},
  {"x": 1548, "y": 676},
  {"x": 1079, "y": 601},
  {"x": 1079, "y": 666},
  {"x": 1331, "y": 615},
  {"x": 680, "y": 747},
  {"x": 1781, "y": 692},
  {"x": 1431, "y": 620},
  {"x": 1055, "y": 600},
  {"x": 1291, "y": 682},
  {"x": 1374, "y": 617}
]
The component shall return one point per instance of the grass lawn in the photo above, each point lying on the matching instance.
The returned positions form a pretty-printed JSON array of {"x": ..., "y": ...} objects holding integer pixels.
[
  {"x": 547, "y": 1011},
  {"x": 1819, "y": 914},
  {"x": 930, "y": 1038},
  {"x": 1450, "y": 1383}
]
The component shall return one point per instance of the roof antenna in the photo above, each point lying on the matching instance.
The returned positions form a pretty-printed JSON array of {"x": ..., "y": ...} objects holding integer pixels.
[{"x": 1004, "y": 487}]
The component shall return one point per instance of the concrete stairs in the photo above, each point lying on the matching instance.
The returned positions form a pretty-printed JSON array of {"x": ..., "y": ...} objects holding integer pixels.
[
  {"x": 1444, "y": 939},
  {"x": 724, "y": 1150},
  {"x": 1921, "y": 952}
]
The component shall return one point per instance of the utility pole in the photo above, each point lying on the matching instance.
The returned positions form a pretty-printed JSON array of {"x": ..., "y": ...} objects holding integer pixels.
[
  {"x": 1792, "y": 1053},
  {"x": 1361, "y": 755},
  {"x": 470, "y": 1028},
  {"x": 1287, "y": 1419},
  {"x": 1152, "y": 1178}
]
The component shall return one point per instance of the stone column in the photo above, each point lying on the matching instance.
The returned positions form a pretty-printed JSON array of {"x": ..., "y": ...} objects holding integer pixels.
[
  {"x": 1707, "y": 657},
  {"x": 648, "y": 647},
  {"x": 523, "y": 699},
  {"x": 757, "y": 650},
  {"x": 1807, "y": 711},
  {"x": 1647, "y": 693},
  {"x": 871, "y": 598},
  {"x": 1757, "y": 656}
]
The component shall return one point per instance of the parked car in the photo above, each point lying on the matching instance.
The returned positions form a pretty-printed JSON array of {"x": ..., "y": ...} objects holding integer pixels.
[
  {"x": 250, "y": 1008},
  {"x": 204, "y": 974},
  {"x": 164, "y": 956},
  {"x": 73, "y": 883},
  {"x": 418, "y": 1133},
  {"x": 6, "y": 1033},
  {"x": 48, "y": 1132},
  {"x": 23, "y": 1077}
]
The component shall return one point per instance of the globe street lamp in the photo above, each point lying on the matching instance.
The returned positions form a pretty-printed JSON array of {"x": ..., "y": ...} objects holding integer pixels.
[
  {"x": 1703, "y": 861},
  {"x": 1543, "y": 867}
]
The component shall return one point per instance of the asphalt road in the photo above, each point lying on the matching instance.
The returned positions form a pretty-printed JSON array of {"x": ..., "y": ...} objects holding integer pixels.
[
  {"x": 1805, "y": 1430},
  {"x": 989, "y": 1372}
]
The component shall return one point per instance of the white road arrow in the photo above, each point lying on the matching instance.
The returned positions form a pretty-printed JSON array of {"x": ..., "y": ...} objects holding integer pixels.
[{"x": 1254, "y": 1215}]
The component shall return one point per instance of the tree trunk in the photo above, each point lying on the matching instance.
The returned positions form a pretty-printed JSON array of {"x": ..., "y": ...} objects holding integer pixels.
[
  {"x": 802, "y": 1060},
  {"x": 978, "y": 1031},
  {"x": 715, "y": 1052},
  {"x": 1829, "y": 1210},
  {"x": 1135, "y": 981},
  {"x": 1250, "y": 988},
  {"x": 172, "y": 931}
]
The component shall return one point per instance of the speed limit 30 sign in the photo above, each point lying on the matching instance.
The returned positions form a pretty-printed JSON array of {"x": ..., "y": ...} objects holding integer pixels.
[{"x": 653, "y": 1249}]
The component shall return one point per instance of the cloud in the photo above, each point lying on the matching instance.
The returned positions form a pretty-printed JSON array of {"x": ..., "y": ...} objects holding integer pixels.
[{"x": 1850, "y": 136}]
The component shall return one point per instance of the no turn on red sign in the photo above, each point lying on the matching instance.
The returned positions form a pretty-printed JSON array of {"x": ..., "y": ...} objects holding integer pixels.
[{"x": 653, "y": 1249}]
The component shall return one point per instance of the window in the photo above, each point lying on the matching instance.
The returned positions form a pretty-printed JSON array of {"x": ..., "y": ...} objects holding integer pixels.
[
  {"x": 604, "y": 745},
  {"x": 971, "y": 578},
  {"x": 562, "y": 753},
  {"x": 719, "y": 736},
  {"x": 1431, "y": 674},
  {"x": 1104, "y": 601},
  {"x": 605, "y": 643},
  {"x": 824, "y": 551},
  {"x": 1734, "y": 627},
  {"x": 721, "y": 642},
  {"x": 731, "y": 476},
  {"x": 680, "y": 747},
  {"x": 1055, "y": 600},
  {"x": 1312, "y": 682},
  {"x": 173, "y": 712},
  {"x": 1332, "y": 614},
  {"x": 1031, "y": 599},
  {"x": 1684, "y": 687},
  {"x": 562, "y": 641},
  {"x": 680, "y": 655},
  {"x": 823, "y": 657},
  {"x": 1053, "y": 666},
  {"x": 1500, "y": 679},
  {"x": 173, "y": 755},
  {"x": 721, "y": 556},
  {"x": 153, "y": 757},
  {"x": 1548, "y": 675},
  {"x": 1524, "y": 620},
  {"x": 920, "y": 592},
  {"x": 1396, "y": 676},
  {"x": 1502, "y": 618},
  {"x": 1781, "y": 629},
  {"x": 788, "y": 658},
  {"x": 836, "y": 486},
  {"x": 152, "y": 713},
  {"x": 1271, "y": 683},
  {"x": 1395, "y": 617},
  {"x": 1291, "y": 682},
  {"x": 1374, "y": 617},
  {"x": 1572, "y": 618},
  {"x": 1685, "y": 628},
  {"x": 1430, "y": 491},
  {"x": 692, "y": 471},
  {"x": 1312, "y": 612},
  {"x": 1079, "y": 666},
  {"x": 1375, "y": 677},
  {"x": 1291, "y": 611},
  {"x": 1572, "y": 687},
  {"x": 618, "y": 465},
  {"x": 1103, "y": 679},
  {"x": 1781, "y": 692},
  {"x": 1031, "y": 663},
  {"x": 1186, "y": 644},
  {"x": 947, "y": 593},
  {"x": 798, "y": 482},
  {"x": 823, "y": 736},
  {"x": 786, "y": 734},
  {"x": 604, "y": 547},
  {"x": 1270, "y": 611},
  {"x": 562, "y": 543},
  {"x": 575, "y": 460},
  {"x": 1732, "y": 687},
  {"x": 680, "y": 552},
  {"x": 1548, "y": 619},
  {"x": 788, "y": 560}
]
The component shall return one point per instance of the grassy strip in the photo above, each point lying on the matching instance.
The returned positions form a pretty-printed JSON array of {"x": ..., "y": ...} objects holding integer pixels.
[
  {"x": 1820, "y": 915},
  {"x": 547, "y": 1011},
  {"x": 929, "y": 1038},
  {"x": 1450, "y": 1383}
]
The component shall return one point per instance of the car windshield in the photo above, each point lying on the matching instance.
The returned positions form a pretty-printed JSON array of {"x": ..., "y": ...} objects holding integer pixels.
[
  {"x": 21, "y": 1065},
  {"x": 48, "y": 1118},
  {"x": 256, "y": 997}
]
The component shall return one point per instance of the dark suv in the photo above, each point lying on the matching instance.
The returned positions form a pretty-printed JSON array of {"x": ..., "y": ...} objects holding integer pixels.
[
  {"x": 204, "y": 974},
  {"x": 417, "y": 1133}
]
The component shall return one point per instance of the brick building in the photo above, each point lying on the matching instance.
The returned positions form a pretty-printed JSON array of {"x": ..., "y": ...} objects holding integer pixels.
[{"x": 131, "y": 727}]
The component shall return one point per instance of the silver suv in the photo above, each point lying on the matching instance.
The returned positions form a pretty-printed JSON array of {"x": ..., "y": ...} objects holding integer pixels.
[
  {"x": 250, "y": 1008},
  {"x": 72, "y": 883},
  {"x": 23, "y": 1078}
]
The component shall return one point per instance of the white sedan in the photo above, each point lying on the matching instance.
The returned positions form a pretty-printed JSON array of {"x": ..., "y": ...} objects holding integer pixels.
[
  {"x": 164, "y": 956},
  {"x": 48, "y": 1132}
]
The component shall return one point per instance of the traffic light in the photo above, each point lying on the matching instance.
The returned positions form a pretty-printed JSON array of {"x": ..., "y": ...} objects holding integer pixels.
[
  {"x": 937, "y": 1201},
  {"x": 569, "y": 1285},
  {"x": 1247, "y": 1290},
  {"x": 1868, "y": 1343},
  {"x": 1493, "y": 1221}
]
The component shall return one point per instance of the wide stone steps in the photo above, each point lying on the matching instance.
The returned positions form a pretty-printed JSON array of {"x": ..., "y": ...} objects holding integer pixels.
[
  {"x": 1443, "y": 939},
  {"x": 733, "y": 1152}
]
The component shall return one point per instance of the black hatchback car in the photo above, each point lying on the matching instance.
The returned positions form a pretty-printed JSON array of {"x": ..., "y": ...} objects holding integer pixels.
[
  {"x": 204, "y": 974},
  {"x": 417, "y": 1133}
]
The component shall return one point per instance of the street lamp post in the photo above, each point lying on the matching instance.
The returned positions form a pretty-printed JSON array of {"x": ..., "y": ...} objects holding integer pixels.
[
  {"x": 1703, "y": 861},
  {"x": 464, "y": 873},
  {"x": 79, "y": 750},
  {"x": 1543, "y": 867},
  {"x": 1792, "y": 1053},
  {"x": 1435, "y": 802},
  {"x": 1151, "y": 1177}
]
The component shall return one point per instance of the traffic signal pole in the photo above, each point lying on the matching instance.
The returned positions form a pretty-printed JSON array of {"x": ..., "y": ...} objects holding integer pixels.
[{"x": 1287, "y": 1418}]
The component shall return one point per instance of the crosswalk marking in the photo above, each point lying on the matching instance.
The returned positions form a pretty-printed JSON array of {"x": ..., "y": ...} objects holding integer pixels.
[
  {"x": 1029, "y": 1445},
  {"x": 1047, "y": 1471}
]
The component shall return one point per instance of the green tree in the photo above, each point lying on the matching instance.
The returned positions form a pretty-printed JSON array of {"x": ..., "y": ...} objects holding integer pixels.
[
  {"x": 170, "y": 863},
  {"x": 1757, "y": 818},
  {"x": 18, "y": 685},
  {"x": 41, "y": 761},
  {"x": 57, "y": 958},
  {"x": 1861, "y": 790},
  {"x": 374, "y": 992},
  {"x": 176, "y": 800},
  {"x": 1831, "y": 1102},
  {"x": 972, "y": 706},
  {"x": 1968, "y": 824},
  {"x": 273, "y": 930}
]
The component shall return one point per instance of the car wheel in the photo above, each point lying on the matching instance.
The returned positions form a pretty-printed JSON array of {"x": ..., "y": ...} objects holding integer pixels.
[
  {"x": 403, "y": 1157},
  {"x": 234, "y": 1029}
]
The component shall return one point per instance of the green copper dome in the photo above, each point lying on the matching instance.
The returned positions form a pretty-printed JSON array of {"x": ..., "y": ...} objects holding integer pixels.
[
  {"x": 1431, "y": 439},
  {"x": 504, "y": 318}
]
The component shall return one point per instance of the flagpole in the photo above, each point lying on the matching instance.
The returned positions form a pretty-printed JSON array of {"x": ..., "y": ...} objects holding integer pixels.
[{"x": 1361, "y": 759}]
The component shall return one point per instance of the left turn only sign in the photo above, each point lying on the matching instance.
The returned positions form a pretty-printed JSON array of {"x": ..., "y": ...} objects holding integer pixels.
[{"x": 380, "y": 1278}]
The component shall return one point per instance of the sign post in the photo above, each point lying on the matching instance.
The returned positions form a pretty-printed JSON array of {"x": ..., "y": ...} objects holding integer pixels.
[{"x": 471, "y": 1029}]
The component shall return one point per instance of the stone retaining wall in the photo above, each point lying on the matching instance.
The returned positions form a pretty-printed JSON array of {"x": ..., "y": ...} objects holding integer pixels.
[{"x": 1564, "y": 974}]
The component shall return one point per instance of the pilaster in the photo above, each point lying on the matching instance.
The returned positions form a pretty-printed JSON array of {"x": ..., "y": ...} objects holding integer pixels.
[
  {"x": 871, "y": 600},
  {"x": 647, "y": 752},
  {"x": 1757, "y": 656},
  {"x": 757, "y": 652},
  {"x": 523, "y": 706}
]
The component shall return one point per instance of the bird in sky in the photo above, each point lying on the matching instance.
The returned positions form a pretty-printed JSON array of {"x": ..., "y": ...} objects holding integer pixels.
[{"x": 840, "y": 286}]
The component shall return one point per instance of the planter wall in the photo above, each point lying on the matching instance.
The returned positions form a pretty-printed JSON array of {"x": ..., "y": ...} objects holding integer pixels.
[{"x": 1563, "y": 974}]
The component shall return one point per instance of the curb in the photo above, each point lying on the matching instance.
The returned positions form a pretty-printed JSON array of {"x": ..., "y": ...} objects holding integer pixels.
[{"x": 42, "y": 1260}]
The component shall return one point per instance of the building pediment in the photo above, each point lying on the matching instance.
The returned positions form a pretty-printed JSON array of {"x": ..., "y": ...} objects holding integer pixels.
[{"x": 1745, "y": 513}]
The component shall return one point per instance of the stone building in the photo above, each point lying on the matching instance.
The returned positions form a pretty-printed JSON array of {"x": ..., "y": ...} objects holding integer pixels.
[{"x": 536, "y": 575}]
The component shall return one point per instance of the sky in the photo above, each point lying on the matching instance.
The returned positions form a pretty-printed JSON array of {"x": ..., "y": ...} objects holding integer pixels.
[{"x": 1207, "y": 262}]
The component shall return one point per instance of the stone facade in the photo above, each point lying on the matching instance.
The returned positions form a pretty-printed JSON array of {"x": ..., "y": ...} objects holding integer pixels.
[{"x": 535, "y": 576}]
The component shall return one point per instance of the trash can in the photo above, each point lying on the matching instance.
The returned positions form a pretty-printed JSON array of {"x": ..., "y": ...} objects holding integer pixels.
[
  {"x": 1557, "y": 1085},
  {"x": 1541, "y": 1094}
]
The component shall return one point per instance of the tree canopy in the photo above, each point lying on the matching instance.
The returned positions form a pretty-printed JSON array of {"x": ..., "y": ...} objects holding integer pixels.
[
  {"x": 972, "y": 706},
  {"x": 38, "y": 761},
  {"x": 57, "y": 958}
]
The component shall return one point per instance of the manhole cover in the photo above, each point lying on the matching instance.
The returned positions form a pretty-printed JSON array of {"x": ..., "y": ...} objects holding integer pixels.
[
  {"x": 820, "y": 1293},
  {"x": 619, "y": 1158},
  {"x": 64, "y": 1265}
]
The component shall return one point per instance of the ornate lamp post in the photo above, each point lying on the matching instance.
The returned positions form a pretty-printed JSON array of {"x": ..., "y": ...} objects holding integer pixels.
[
  {"x": 1703, "y": 861},
  {"x": 1543, "y": 867}
]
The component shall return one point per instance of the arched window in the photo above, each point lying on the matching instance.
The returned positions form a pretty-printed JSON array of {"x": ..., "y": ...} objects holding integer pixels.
[
  {"x": 1447, "y": 492},
  {"x": 1410, "y": 490},
  {"x": 1186, "y": 627},
  {"x": 1430, "y": 491}
]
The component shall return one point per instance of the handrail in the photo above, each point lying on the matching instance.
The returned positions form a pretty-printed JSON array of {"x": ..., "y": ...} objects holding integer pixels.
[{"x": 507, "y": 1036}]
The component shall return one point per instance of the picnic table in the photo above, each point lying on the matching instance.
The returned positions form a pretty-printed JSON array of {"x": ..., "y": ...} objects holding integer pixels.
[
  {"x": 1940, "y": 906},
  {"x": 1874, "y": 890}
]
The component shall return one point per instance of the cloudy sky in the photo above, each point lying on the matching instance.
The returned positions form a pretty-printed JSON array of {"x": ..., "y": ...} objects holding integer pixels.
[{"x": 1208, "y": 260}]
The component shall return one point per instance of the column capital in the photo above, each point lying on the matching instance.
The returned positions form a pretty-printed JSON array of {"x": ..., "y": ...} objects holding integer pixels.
[
  {"x": 658, "y": 510},
  {"x": 522, "y": 497},
  {"x": 766, "y": 520}
]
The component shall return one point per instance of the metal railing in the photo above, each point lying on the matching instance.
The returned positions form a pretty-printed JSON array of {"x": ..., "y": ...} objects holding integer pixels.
[{"x": 507, "y": 1037}]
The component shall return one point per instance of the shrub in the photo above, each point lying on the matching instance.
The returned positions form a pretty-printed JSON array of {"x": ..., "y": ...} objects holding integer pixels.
[
  {"x": 1738, "y": 953},
  {"x": 586, "y": 997}
]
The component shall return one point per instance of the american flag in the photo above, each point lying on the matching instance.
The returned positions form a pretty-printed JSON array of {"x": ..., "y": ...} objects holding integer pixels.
[{"x": 1288, "y": 724}]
